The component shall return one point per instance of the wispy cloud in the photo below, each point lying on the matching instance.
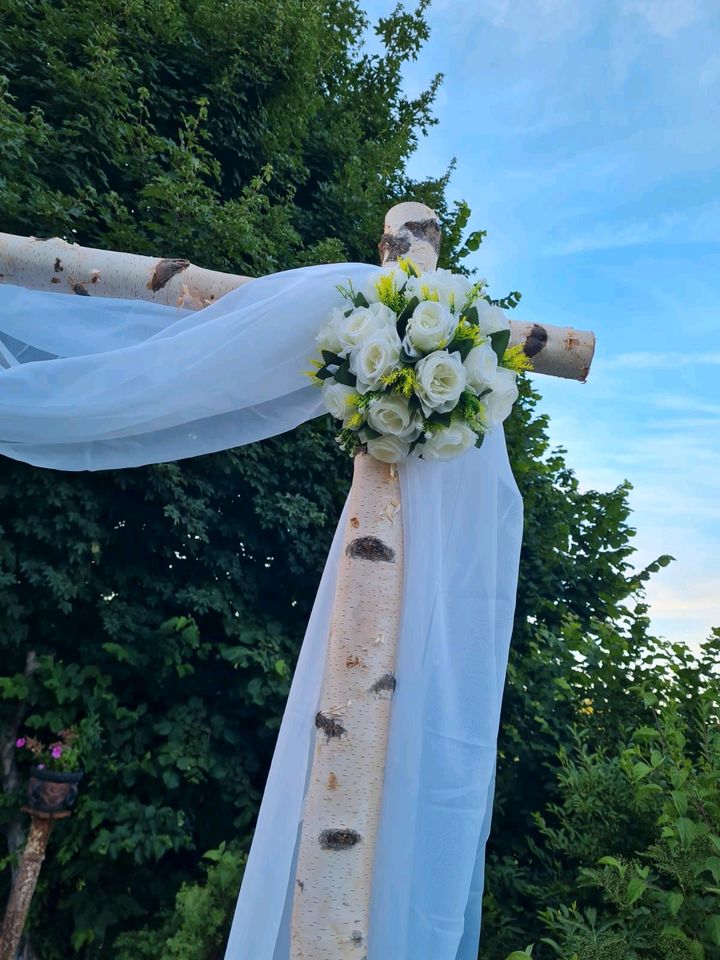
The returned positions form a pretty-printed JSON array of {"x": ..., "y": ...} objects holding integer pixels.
[
  {"x": 671, "y": 401},
  {"x": 664, "y": 18},
  {"x": 701, "y": 224},
  {"x": 663, "y": 361}
]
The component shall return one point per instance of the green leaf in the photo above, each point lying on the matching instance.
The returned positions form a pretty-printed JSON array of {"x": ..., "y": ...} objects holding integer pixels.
[
  {"x": 344, "y": 376},
  {"x": 636, "y": 888},
  {"x": 712, "y": 928},
  {"x": 404, "y": 316},
  {"x": 680, "y": 800},
  {"x": 323, "y": 374},
  {"x": 641, "y": 770},
  {"x": 330, "y": 357},
  {"x": 360, "y": 300},
  {"x": 443, "y": 419},
  {"x": 475, "y": 239},
  {"x": 687, "y": 830},
  {"x": 500, "y": 341},
  {"x": 471, "y": 315},
  {"x": 675, "y": 901},
  {"x": 463, "y": 347}
]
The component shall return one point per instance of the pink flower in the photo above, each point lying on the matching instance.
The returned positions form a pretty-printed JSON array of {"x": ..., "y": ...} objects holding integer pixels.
[
  {"x": 56, "y": 752},
  {"x": 41, "y": 766},
  {"x": 20, "y": 742}
]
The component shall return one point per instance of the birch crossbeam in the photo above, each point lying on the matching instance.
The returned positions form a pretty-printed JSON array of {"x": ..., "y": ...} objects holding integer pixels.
[{"x": 68, "y": 268}]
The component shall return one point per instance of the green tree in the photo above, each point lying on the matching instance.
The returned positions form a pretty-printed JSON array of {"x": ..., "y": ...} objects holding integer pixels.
[{"x": 167, "y": 604}]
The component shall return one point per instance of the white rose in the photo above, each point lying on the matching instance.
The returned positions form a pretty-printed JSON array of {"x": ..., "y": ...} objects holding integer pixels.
[
  {"x": 447, "y": 443},
  {"x": 491, "y": 319},
  {"x": 481, "y": 367},
  {"x": 369, "y": 289},
  {"x": 336, "y": 397},
  {"x": 450, "y": 289},
  {"x": 429, "y": 328},
  {"x": 328, "y": 338},
  {"x": 392, "y": 414},
  {"x": 389, "y": 449},
  {"x": 499, "y": 403},
  {"x": 441, "y": 379},
  {"x": 375, "y": 358},
  {"x": 363, "y": 323}
]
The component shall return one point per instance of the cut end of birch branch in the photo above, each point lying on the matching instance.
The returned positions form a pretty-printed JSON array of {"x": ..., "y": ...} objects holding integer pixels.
[
  {"x": 411, "y": 230},
  {"x": 555, "y": 351}
]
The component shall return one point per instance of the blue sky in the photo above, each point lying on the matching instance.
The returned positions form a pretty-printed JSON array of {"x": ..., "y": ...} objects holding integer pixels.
[{"x": 587, "y": 139}]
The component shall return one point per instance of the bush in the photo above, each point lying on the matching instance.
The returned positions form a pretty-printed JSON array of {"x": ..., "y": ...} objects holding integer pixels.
[{"x": 638, "y": 828}]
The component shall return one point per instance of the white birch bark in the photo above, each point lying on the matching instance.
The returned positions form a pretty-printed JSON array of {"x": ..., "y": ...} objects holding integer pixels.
[
  {"x": 68, "y": 268},
  {"x": 342, "y": 808}
]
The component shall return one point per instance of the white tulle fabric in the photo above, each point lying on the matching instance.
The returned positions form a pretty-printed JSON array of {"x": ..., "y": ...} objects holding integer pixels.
[{"x": 92, "y": 383}]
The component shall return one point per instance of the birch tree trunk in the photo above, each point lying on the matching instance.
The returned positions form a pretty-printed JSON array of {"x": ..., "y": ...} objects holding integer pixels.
[
  {"x": 342, "y": 807},
  {"x": 71, "y": 269}
]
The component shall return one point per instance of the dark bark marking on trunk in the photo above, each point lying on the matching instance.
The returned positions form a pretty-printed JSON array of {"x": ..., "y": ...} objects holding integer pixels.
[
  {"x": 164, "y": 271},
  {"x": 79, "y": 289},
  {"x": 301, "y": 884},
  {"x": 356, "y": 937},
  {"x": 385, "y": 684},
  {"x": 331, "y": 728},
  {"x": 58, "y": 265},
  {"x": 370, "y": 548},
  {"x": 339, "y": 839},
  {"x": 535, "y": 340},
  {"x": 392, "y": 248},
  {"x": 55, "y": 280},
  {"x": 426, "y": 230}
]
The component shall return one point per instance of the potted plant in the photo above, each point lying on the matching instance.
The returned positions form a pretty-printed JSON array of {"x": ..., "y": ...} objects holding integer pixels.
[{"x": 55, "y": 773}]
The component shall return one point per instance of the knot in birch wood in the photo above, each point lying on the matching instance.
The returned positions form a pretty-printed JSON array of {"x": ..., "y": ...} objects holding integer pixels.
[
  {"x": 535, "y": 340},
  {"x": 164, "y": 271},
  {"x": 339, "y": 839},
  {"x": 370, "y": 548}
]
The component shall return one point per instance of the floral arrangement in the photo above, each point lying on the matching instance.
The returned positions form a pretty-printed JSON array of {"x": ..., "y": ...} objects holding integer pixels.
[
  {"x": 417, "y": 365},
  {"x": 62, "y": 755}
]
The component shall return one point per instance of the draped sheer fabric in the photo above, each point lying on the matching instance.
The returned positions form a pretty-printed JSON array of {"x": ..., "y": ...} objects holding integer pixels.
[{"x": 94, "y": 383}]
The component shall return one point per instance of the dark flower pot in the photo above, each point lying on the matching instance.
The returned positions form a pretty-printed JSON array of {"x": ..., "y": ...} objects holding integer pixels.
[{"x": 52, "y": 791}]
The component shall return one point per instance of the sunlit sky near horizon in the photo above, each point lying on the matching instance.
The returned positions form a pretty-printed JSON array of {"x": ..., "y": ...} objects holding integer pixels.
[{"x": 587, "y": 140}]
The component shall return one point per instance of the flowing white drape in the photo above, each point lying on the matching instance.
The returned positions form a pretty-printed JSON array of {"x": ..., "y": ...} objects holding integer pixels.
[{"x": 94, "y": 383}]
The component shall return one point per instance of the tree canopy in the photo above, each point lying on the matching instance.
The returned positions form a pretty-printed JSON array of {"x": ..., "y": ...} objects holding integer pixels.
[{"x": 164, "y": 606}]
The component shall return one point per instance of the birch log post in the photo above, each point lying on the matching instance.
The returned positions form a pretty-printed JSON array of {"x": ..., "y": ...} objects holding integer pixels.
[
  {"x": 342, "y": 807},
  {"x": 71, "y": 269}
]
